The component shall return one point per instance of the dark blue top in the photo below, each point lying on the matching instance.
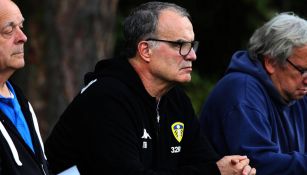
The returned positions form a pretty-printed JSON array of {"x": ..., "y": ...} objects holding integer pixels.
[{"x": 246, "y": 115}]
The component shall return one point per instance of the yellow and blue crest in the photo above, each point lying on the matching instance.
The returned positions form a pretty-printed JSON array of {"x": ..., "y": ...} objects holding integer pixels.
[{"x": 177, "y": 129}]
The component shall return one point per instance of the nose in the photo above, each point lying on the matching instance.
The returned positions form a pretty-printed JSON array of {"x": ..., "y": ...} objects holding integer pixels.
[
  {"x": 191, "y": 56},
  {"x": 304, "y": 76},
  {"x": 20, "y": 37}
]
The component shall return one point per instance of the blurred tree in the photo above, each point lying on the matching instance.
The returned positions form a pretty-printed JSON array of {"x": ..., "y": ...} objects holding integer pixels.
[{"x": 65, "y": 40}]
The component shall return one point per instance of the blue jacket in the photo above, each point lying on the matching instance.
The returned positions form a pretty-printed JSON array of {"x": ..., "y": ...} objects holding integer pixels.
[{"x": 245, "y": 115}]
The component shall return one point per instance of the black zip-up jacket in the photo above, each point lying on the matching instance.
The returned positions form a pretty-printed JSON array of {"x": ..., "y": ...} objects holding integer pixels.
[
  {"x": 16, "y": 157},
  {"x": 115, "y": 127}
]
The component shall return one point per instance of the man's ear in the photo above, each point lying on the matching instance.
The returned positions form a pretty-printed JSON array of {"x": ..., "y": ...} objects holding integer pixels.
[
  {"x": 269, "y": 64},
  {"x": 144, "y": 51}
]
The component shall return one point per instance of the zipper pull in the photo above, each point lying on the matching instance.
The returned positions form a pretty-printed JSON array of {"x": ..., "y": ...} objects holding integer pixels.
[
  {"x": 157, "y": 110},
  {"x": 43, "y": 169}
]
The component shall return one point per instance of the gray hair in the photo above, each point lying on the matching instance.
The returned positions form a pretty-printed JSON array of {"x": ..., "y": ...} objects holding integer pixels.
[
  {"x": 278, "y": 37},
  {"x": 142, "y": 23}
]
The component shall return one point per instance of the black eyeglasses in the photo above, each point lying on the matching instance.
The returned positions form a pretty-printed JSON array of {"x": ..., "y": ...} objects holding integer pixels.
[
  {"x": 302, "y": 71},
  {"x": 185, "y": 47}
]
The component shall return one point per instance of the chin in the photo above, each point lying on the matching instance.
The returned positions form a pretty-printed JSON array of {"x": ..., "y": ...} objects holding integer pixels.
[
  {"x": 19, "y": 65},
  {"x": 183, "y": 78},
  {"x": 299, "y": 97},
  {"x": 186, "y": 80}
]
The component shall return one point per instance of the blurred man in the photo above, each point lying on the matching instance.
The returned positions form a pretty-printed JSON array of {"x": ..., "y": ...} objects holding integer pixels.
[
  {"x": 131, "y": 118},
  {"x": 21, "y": 147},
  {"x": 259, "y": 107}
]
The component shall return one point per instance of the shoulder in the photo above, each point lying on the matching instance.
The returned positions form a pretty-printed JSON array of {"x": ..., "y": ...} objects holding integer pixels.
[
  {"x": 238, "y": 87},
  {"x": 100, "y": 94},
  {"x": 237, "y": 80},
  {"x": 105, "y": 86},
  {"x": 237, "y": 90}
]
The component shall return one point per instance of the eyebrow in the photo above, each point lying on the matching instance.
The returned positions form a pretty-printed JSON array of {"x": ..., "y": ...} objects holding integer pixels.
[
  {"x": 184, "y": 41},
  {"x": 12, "y": 23}
]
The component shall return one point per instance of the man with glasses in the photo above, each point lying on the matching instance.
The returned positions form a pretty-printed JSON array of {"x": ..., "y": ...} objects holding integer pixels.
[
  {"x": 259, "y": 107},
  {"x": 131, "y": 118}
]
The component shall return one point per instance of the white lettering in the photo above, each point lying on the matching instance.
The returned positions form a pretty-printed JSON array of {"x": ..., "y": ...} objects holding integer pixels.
[
  {"x": 144, "y": 145},
  {"x": 175, "y": 149}
]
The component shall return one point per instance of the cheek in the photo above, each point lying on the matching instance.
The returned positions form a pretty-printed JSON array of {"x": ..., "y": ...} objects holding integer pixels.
[
  {"x": 177, "y": 63},
  {"x": 3, "y": 56},
  {"x": 4, "y": 51},
  {"x": 170, "y": 63},
  {"x": 290, "y": 84}
]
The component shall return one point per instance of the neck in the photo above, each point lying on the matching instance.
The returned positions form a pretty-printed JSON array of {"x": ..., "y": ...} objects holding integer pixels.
[
  {"x": 4, "y": 90},
  {"x": 154, "y": 86},
  {"x": 5, "y": 75},
  {"x": 156, "y": 90}
]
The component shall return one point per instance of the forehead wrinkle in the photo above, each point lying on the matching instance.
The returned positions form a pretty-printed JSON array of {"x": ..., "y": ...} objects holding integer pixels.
[
  {"x": 12, "y": 23},
  {"x": 172, "y": 25}
]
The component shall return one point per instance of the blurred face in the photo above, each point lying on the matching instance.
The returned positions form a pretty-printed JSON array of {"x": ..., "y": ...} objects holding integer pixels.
[
  {"x": 12, "y": 38},
  {"x": 291, "y": 78},
  {"x": 166, "y": 63}
]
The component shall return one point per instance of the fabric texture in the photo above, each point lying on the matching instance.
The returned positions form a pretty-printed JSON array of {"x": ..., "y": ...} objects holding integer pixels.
[
  {"x": 115, "y": 127},
  {"x": 11, "y": 108},
  {"x": 245, "y": 115},
  {"x": 16, "y": 157}
]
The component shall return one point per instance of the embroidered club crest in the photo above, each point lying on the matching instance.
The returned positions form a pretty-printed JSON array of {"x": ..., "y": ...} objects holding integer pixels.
[{"x": 177, "y": 129}]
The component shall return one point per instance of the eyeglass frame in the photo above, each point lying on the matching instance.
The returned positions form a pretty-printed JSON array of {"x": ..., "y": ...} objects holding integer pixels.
[
  {"x": 301, "y": 70},
  {"x": 194, "y": 44}
]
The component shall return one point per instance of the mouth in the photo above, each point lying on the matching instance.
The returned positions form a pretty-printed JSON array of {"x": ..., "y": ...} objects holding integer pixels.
[
  {"x": 187, "y": 69},
  {"x": 18, "y": 53},
  {"x": 303, "y": 90}
]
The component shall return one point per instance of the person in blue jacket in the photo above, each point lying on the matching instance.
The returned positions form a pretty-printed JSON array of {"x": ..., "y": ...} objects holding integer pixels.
[{"x": 259, "y": 107}]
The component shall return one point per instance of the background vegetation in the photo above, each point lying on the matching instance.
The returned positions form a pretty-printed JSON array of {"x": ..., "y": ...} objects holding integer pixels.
[{"x": 67, "y": 37}]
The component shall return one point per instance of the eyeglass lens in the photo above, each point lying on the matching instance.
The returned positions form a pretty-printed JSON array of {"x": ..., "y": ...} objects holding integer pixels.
[{"x": 186, "y": 47}]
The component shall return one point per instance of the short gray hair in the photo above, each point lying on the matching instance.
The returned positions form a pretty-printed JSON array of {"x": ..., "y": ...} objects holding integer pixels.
[
  {"x": 278, "y": 37},
  {"x": 142, "y": 23}
]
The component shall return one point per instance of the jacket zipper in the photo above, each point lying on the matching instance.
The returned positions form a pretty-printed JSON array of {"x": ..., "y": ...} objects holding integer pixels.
[
  {"x": 43, "y": 169},
  {"x": 158, "y": 117}
]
